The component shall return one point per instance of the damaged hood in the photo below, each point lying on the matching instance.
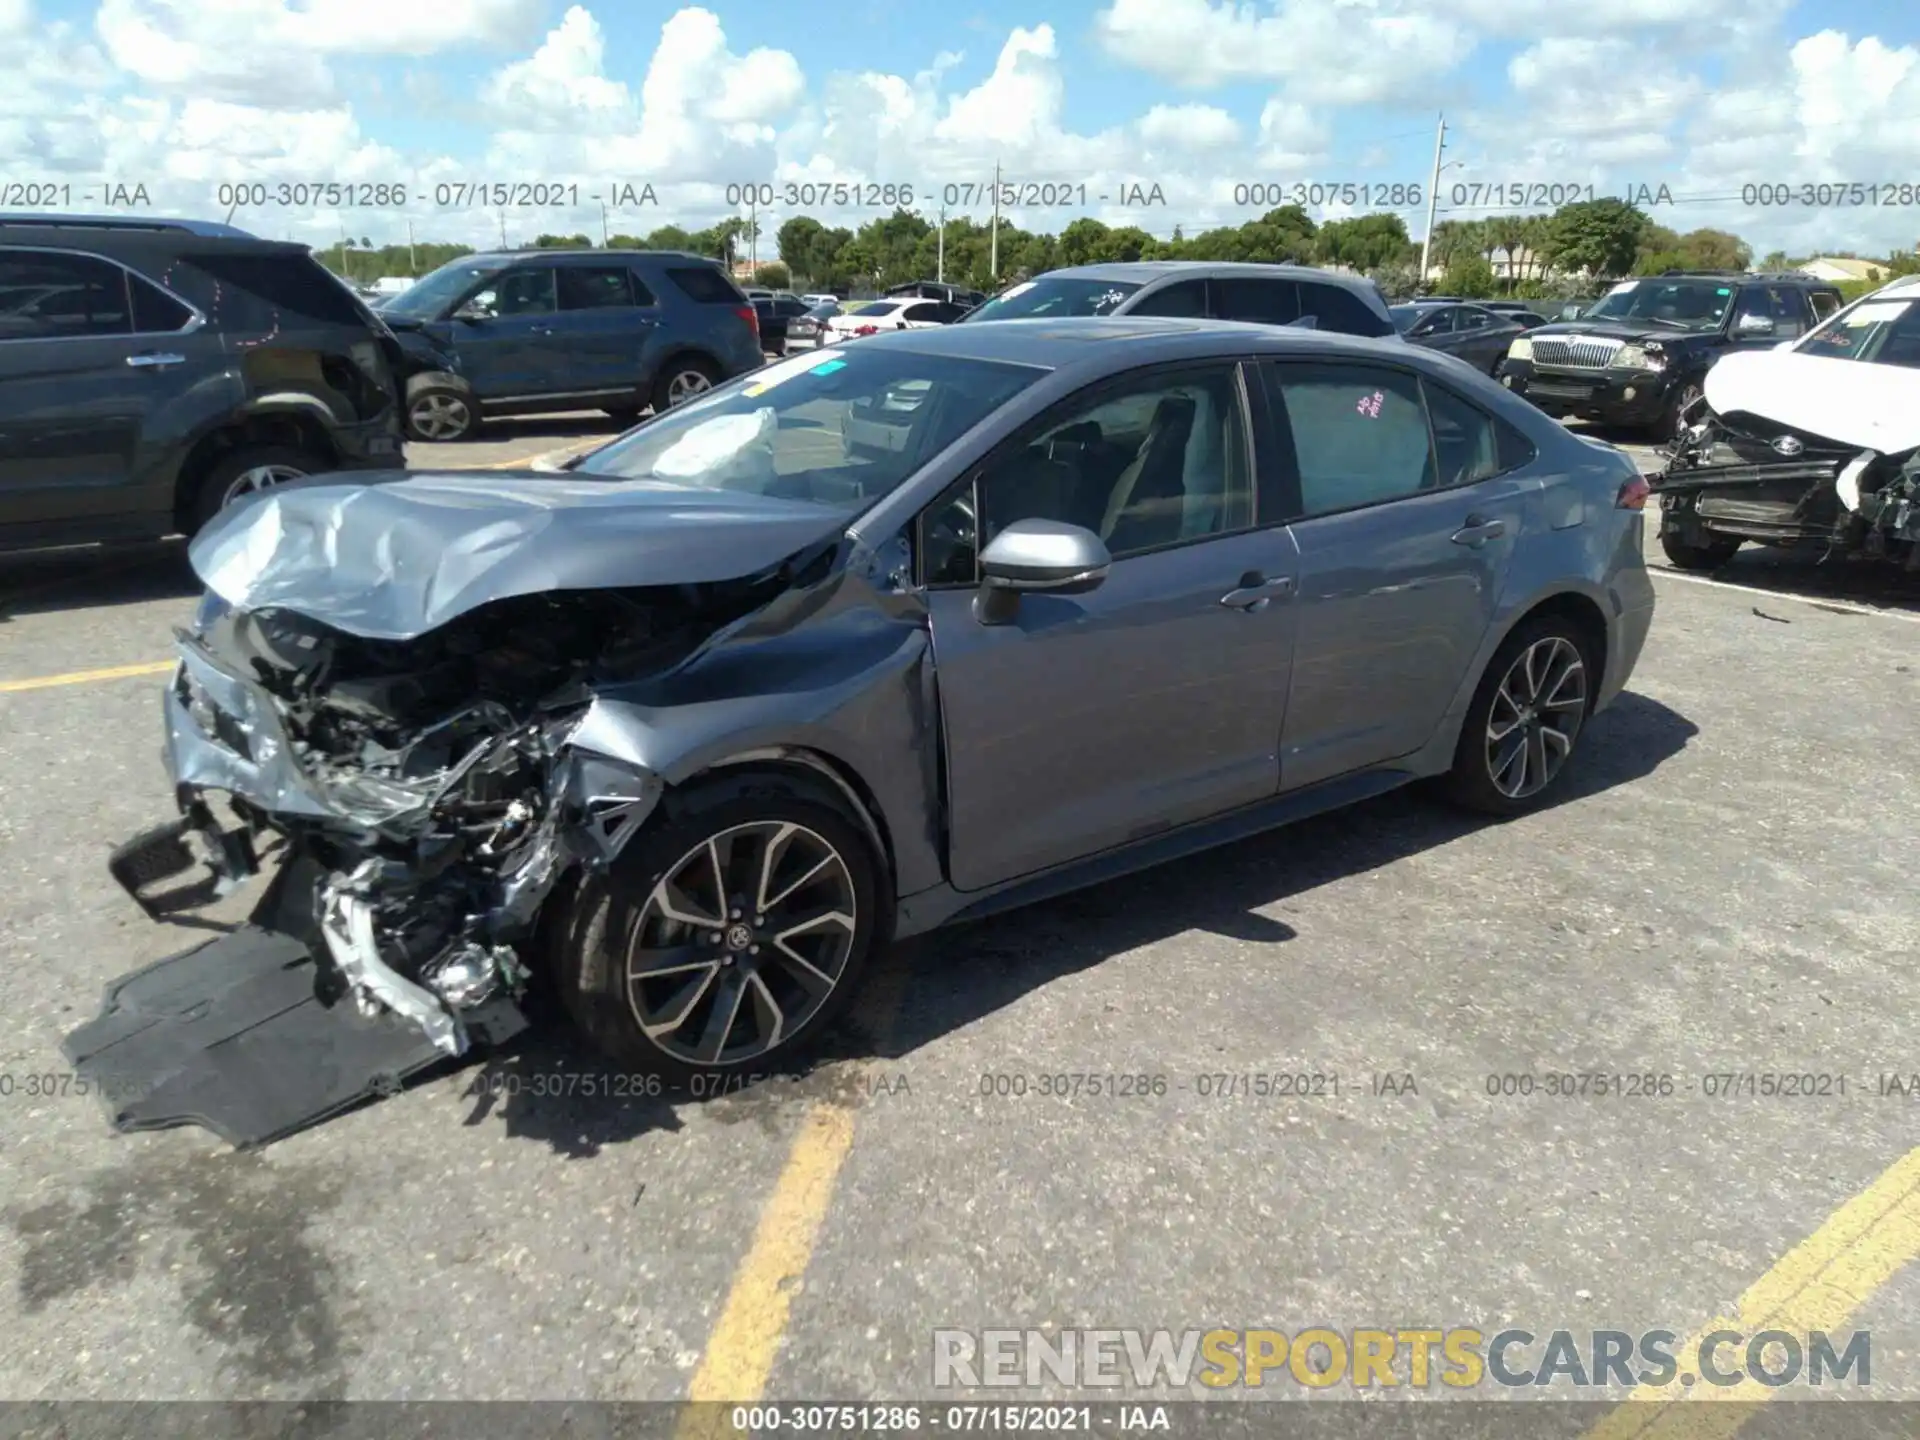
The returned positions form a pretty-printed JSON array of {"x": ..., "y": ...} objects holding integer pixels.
[
  {"x": 393, "y": 560},
  {"x": 1871, "y": 407}
]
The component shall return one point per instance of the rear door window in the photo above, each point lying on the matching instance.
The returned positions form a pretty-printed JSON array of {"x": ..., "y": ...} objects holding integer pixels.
[
  {"x": 1263, "y": 302},
  {"x": 46, "y": 296},
  {"x": 1358, "y": 434},
  {"x": 1334, "y": 307},
  {"x": 595, "y": 287},
  {"x": 1186, "y": 300}
]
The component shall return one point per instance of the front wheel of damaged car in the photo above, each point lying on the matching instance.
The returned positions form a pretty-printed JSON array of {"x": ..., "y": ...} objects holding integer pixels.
[
  {"x": 1525, "y": 719},
  {"x": 728, "y": 935}
]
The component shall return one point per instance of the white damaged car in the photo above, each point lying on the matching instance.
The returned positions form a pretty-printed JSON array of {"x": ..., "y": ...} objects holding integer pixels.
[{"x": 1814, "y": 444}]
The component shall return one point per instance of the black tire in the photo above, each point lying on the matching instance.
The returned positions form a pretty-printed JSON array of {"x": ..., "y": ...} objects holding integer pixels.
[
  {"x": 1672, "y": 423},
  {"x": 611, "y": 913},
  {"x": 441, "y": 414},
  {"x": 680, "y": 372},
  {"x": 215, "y": 489},
  {"x": 1475, "y": 781},
  {"x": 1687, "y": 555}
]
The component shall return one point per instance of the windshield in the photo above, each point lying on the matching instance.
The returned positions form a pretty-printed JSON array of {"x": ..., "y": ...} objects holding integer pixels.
[
  {"x": 1052, "y": 298},
  {"x": 874, "y": 307},
  {"x": 839, "y": 429},
  {"x": 1679, "y": 304},
  {"x": 429, "y": 297},
  {"x": 1404, "y": 316},
  {"x": 1880, "y": 332}
]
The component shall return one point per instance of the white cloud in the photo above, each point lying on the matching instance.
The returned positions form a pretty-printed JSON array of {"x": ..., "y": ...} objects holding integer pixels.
[
  {"x": 1332, "y": 51},
  {"x": 1189, "y": 127}
]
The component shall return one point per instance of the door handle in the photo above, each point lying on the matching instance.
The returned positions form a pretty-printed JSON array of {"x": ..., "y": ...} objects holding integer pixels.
[
  {"x": 1478, "y": 530},
  {"x": 151, "y": 358},
  {"x": 1255, "y": 590}
]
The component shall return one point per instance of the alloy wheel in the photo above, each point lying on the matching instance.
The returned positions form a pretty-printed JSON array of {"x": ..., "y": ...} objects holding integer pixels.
[
  {"x": 1536, "y": 714},
  {"x": 741, "y": 942},
  {"x": 685, "y": 385},
  {"x": 260, "y": 477},
  {"x": 440, "y": 417}
]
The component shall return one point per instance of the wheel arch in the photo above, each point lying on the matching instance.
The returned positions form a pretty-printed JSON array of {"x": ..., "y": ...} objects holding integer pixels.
[
  {"x": 297, "y": 426},
  {"x": 821, "y": 772},
  {"x": 1580, "y": 607}
]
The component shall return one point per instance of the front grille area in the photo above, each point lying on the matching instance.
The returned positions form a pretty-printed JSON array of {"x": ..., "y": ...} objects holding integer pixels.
[{"x": 1579, "y": 352}]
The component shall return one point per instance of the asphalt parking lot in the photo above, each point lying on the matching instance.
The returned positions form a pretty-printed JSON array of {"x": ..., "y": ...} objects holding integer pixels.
[{"x": 1726, "y": 889}]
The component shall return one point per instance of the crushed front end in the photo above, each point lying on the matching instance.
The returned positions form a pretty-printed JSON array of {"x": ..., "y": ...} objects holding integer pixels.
[
  {"x": 416, "y": 803},
  {"x": 1742, "y": 477}
]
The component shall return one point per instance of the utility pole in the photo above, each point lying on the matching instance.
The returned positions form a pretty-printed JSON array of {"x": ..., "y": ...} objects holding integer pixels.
[
  {"x": 413, "y": 260},
  {"x": 753, "y": 233},
  {"x": 1433, "y": 201},
  {"x": 503, "y": 227},
  {"x": 993, "y": 242},
  {"x": 605, "y": 243},
  {"x": 940, "y": 263}
]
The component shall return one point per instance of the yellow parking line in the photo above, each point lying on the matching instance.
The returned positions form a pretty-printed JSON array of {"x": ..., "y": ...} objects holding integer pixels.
[
  {"x": 85, "y": 677},
  {"x": 1818, "y": 1285},
  {"x": 746, "y": 1339}
]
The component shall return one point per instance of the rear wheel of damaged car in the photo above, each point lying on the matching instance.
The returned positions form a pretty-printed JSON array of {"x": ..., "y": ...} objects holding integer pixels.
[
  {"x": 684, "y": 378},
  {"x": 248, "y": 470},
  {"x": 729, "y": 933},
  {"x": 440, "y": 414},
  {"x": 1526, "y": 718},
  {"x": 1708, "y": 553}
]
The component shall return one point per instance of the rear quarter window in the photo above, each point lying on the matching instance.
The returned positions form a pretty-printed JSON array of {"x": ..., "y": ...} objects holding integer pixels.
[
  {"x": 706, "y": 285},
  {"x": 293, "y": 285}
]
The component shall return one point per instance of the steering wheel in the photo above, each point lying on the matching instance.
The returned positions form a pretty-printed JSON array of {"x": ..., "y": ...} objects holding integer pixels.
[{"x": 954, "y": 534}]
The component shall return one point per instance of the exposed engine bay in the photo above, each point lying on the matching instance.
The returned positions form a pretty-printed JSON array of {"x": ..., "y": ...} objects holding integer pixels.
[
  {"x": 1795, "y": 450},
  {"x": 1748, "y": 478},
  {"x": 431, "y": 781}
]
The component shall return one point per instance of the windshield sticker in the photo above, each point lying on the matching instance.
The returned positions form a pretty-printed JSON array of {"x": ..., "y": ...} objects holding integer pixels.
[
  {"x": 827, "y": 367},
  {"x": 772, "y": 375},
  {"x": 1369, "y": 405},
  {"x": 1723, "y": 290}
]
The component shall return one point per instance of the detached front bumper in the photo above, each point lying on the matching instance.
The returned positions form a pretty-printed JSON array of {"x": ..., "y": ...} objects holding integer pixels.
[
  {"x": 1786, "y": 504},
  {"x": 1615, "y": 397}
]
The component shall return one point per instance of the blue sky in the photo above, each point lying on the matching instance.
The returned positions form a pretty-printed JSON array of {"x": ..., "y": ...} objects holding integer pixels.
[{"x": 1709, "y": 98}]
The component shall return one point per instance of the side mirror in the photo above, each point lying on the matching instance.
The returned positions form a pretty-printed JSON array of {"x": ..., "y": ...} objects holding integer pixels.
[
  {"x": 1037, "y": 556},
  {"x": 1754, "y": 325}
]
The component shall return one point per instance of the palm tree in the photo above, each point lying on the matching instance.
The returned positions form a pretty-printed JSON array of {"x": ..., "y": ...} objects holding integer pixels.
[{"x": 1507, "y": 233}]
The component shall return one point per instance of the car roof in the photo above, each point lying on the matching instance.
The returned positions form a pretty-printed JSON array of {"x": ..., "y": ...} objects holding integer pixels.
[
  {"x": 120, "y": 224},
  {"x": 1145, "y": 272},
  {"x": 584, "y": 257},
  {"x": 1111, "y": 343}
]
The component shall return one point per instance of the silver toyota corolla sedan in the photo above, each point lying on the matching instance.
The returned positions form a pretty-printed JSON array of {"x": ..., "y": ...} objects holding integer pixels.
[{"x": 857, "y": 645}]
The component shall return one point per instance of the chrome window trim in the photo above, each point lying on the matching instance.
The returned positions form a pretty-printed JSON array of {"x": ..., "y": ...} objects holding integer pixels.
[{"x": 196, "y": 317}]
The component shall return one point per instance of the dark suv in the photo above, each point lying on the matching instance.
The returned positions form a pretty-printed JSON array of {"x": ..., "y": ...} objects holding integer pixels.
[
  {"x": 1199, "y": 289},
  {"x": 152, "y": 370},
  {"x": 1638, "y": 356},
  {"x": 536, "y": 331}
]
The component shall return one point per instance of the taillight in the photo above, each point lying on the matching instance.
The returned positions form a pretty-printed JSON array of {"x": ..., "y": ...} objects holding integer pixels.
[
  {"x": 867, "y": 330},
  {"x": 751, "y": 316},
  {"x": 1633, "y": 495}
]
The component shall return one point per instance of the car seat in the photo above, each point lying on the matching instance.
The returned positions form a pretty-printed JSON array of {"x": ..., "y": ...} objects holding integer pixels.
[{"x": 1149, "y": 500}]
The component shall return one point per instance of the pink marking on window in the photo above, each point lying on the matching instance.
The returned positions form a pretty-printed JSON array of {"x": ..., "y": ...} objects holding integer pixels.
[{"x": 1369, "y": 406}]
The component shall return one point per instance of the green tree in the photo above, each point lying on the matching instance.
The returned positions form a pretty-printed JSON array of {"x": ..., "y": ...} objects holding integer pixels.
[
  {"x": 1601, "y": 237},
  {"x": 798, "y": 241},
  {"x": 561, "y": 242},
  {"x": 1707, "y": 249},
  {"x": 670, "y": 237},
  {"x": 1364, "y": 242},
  {"x": 774, "y": 276},
  {"x": 1469, "y": 276}
]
